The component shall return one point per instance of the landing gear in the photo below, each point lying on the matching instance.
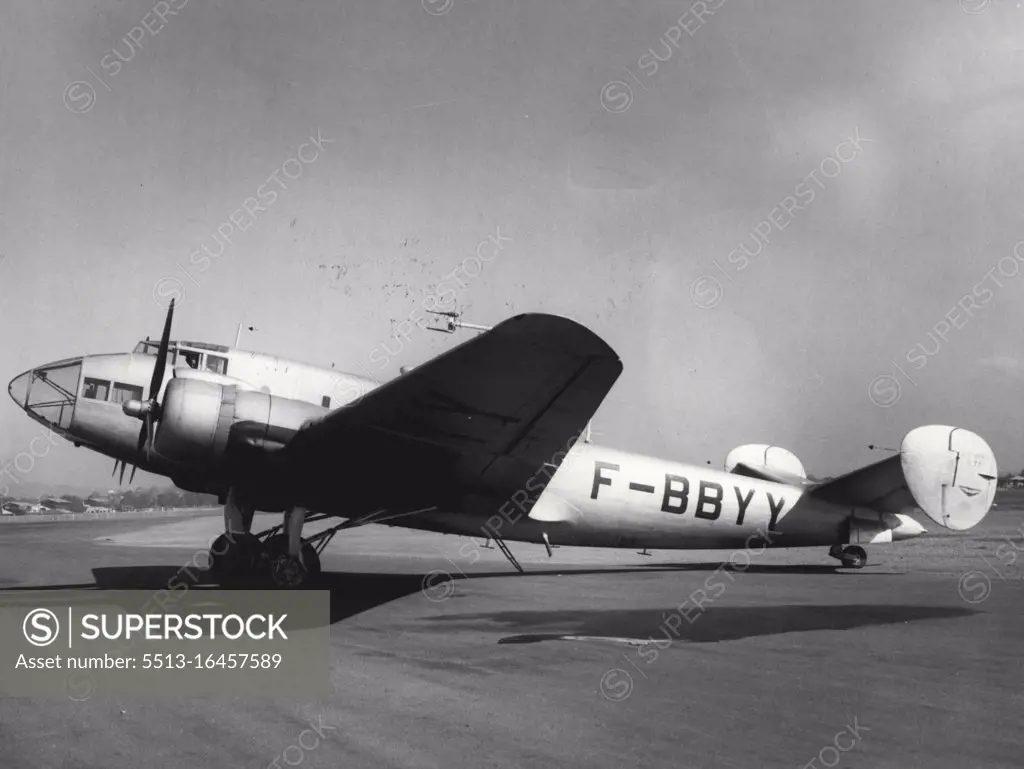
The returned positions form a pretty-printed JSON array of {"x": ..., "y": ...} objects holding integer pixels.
[
  {"x": 851, "y": 556},
  {"x": 854, "y": 557},
  {"x": 238, "y": 560},
  {"x": 280, "y": 554},
  {"x": 286, "y": 570},
  {"x": 235, "y": 553},
  {"x": 234, "y": 558}
]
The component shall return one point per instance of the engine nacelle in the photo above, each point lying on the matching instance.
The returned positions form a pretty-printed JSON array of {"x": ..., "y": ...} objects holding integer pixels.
[
  {"x": 768, "y": 457},
  {"x": 197, "y": 417}
]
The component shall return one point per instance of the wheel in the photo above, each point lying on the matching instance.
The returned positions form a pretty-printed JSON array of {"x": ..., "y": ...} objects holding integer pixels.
[
  {"x": 233, "y": 558},
  {"x": 854, "y": 557},
  {"x": 273, "y": 547},
  {"x": 286, "y": 571}
]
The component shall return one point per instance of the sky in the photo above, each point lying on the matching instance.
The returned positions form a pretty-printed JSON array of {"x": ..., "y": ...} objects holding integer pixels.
[{"x": 865, "y": 155}]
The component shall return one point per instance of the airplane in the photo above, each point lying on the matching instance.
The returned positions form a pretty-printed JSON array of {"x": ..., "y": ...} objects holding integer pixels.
[{"x": 483, "y": 439}]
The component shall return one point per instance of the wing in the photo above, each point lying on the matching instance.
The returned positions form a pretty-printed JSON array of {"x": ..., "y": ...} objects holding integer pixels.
[{"x": 487, "y": 414}]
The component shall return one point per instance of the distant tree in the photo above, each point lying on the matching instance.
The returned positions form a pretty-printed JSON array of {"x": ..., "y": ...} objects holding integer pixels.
[
  {"x": 195, "y": 499},
  {"x": 135, "y": 499}
]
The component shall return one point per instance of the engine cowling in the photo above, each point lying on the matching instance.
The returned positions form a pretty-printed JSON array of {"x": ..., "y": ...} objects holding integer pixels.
[
  {"x": 197, "y": 417},
  {"x": 768, "y": 457}
]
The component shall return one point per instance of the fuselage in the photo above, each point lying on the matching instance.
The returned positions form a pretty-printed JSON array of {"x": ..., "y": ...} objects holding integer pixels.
[
  {"x": 603, "y": 497},
  {"x": 597, "y": 496}
]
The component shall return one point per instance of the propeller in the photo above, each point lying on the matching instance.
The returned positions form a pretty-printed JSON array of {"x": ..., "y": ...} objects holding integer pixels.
[
  {"x": 121, "y": 463},
  {"x": 149, "y": 410}
]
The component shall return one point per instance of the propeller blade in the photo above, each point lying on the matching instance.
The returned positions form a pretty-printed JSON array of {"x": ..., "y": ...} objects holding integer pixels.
[
  {"x": 121, "y": 479},
  {"x": 161, "y": 356},
  {"x": 142, "y": 447},
  {"x": 132, "y": 476},
  {"x": 114, "y": 471}
]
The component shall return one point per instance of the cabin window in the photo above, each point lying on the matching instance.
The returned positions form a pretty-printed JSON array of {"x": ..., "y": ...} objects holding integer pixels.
[
  {"x": 96, "y": 389},
  {"x": 216, "y": 364},
  {"x": 125, "y": 392},
  {"x": 326, "y": 401}
]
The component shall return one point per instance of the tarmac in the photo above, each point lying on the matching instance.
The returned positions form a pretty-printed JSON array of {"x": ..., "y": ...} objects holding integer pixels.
[{"x": 442, "y": 655}]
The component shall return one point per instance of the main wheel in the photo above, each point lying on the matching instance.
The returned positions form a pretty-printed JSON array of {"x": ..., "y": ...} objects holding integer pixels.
[
  {"x": 286, "y": 571},
  {"x": 854, "y": 557},
  {"x": 233, "y": 559}
]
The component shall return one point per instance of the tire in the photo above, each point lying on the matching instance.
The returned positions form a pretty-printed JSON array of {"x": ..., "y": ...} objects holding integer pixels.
[
  {"x": 276, "y": 556},
  {"x": 233, "y": 559},
  {"x": 854, "y": 557}
]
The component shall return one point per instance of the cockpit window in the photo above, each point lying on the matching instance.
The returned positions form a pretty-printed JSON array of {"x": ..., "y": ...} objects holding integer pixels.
[
  {"x": 96, "y": 389},
  {"x": 191, "y": 359},
  {"x": 152, "y": 347},
  {"x": 216, "y": 364},
  {"x": 206, "y": 346},
  {"x": 125, "y": 392}
]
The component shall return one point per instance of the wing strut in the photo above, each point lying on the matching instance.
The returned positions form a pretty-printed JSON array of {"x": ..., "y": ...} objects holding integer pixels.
[
  {"x": 321, "y": 539},
  {"x": 506, "y": 552}
]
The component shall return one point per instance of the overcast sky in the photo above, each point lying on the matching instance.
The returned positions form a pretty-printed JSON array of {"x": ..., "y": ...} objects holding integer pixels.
[{"x": 622, "y": 185}]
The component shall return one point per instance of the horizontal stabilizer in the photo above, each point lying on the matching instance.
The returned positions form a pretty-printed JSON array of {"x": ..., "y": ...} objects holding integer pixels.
[
  {"x": 763, "y": 473},
  {"x": 766, "y": 463}
]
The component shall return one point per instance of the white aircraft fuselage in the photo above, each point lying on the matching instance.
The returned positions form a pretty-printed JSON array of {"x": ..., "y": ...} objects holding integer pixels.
[
  {"x": 603, "y": 497},
  {"x": 597, "y": 497}
]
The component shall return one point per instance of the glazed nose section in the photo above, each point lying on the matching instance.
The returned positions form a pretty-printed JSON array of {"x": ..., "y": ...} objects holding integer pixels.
[
  {"x": 18, "y": 388},
  {"x": 48, "y": 393}
]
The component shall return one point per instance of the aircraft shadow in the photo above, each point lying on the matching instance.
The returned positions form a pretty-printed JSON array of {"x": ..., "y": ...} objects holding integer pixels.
[
  {"x": 355, "y": 592},
  {"x": 715, "y": 624},
  {"x": 770, "y": 568},
  {"x": 350, "y": 593}
]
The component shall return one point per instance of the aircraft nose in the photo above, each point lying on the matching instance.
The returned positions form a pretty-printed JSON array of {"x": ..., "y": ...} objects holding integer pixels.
[
  {"x": 18, "y": 388},
  {"x": 48, "y": 393}
]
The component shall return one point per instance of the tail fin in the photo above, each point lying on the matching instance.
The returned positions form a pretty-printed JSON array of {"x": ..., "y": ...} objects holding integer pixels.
[
  {"x": 948, "y": 472},
  {"x": 952, "y": 474}
]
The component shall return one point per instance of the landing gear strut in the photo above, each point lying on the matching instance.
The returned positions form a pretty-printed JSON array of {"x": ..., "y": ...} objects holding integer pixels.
[
  {"x": 235, "y": 553},
  {"x": 292, "y": 562},
  {"x": 851, "y": 556}
]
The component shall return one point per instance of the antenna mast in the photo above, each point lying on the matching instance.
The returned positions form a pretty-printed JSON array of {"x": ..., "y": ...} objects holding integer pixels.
[{"x": 451, "y": 321}]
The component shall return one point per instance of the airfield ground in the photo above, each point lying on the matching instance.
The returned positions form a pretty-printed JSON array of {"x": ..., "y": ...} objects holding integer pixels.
[{"x": 920, "y": 654}]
